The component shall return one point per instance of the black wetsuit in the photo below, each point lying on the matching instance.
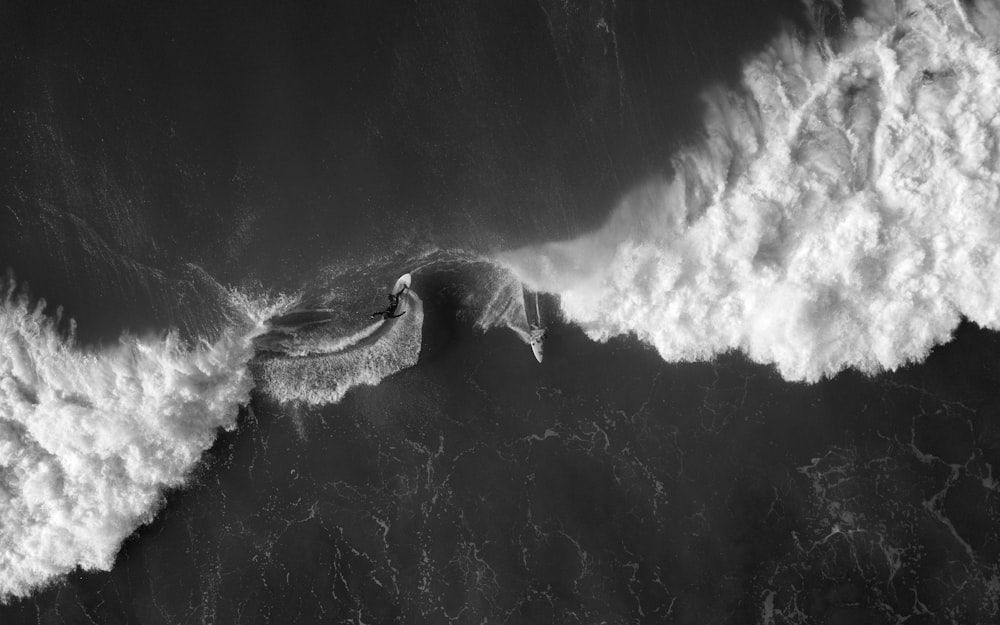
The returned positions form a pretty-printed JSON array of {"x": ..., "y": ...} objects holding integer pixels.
[{"x": 388, "y": 313}]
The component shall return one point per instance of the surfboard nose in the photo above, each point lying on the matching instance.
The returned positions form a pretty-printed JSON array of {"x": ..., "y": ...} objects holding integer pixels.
[{"x": 537, "y": 342}]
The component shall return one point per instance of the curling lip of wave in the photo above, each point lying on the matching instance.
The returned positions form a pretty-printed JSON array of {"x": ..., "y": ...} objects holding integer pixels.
[
  {"x": 842, "y": 210},
  {"x": 89, "y": 440}
]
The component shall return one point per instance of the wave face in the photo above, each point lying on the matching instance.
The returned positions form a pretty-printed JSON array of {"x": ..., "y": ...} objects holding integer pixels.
[
  {"x": 89, "y": 440},
  {"x": 313, "y": 364},
  {"x": 841, "y": 211}
]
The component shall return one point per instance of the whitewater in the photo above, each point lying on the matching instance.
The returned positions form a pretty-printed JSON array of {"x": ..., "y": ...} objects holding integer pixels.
[
  {"x": 91, "y": 438},
  {"x": 840, "y": 210}
]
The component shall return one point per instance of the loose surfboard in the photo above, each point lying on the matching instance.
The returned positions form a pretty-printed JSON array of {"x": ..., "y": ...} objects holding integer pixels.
[
  {"x": 536, "y": 331},
  {"x": 537, "y": 341}
]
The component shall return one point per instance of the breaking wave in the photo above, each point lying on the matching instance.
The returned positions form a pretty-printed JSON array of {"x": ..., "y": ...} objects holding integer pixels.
[
  {"x": 841, "y": 210},
  {"x": 90, "y": 439}
]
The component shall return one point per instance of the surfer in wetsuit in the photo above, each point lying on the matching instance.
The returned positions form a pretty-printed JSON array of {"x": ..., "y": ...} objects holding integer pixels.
[
  {"x": 537, "y": 333},
  {"x": 389, "y": 313}
]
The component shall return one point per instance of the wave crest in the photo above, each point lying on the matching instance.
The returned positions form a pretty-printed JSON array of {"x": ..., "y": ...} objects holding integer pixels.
[{"x": 840, "y": 212}]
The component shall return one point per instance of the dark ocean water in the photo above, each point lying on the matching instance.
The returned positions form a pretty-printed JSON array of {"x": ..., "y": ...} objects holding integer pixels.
[
  {"x": 262, "y": 143},
  {"x": 219, "y": 195}
]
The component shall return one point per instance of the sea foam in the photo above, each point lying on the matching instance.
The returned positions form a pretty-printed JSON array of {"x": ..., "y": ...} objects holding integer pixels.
[
  {"x": 840, "y": 211},
  {"x": 89, "y": 439}
]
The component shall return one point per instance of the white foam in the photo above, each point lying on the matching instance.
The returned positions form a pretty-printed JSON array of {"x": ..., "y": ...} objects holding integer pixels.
[
  {"x": 365, "y": 358},
  {"x": 842, "y": 210},
  {"x": 89, "y": 440}
]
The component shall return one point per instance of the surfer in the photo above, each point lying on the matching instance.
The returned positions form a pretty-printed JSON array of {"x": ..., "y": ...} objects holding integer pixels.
[
  {"x": 390, "y": 312},
  {"x": 537, "y": 334}
]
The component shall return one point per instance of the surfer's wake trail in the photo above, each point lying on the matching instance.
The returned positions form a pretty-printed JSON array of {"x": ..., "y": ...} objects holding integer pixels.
[
  {"x": 89, "y": 440},
  {"x": 320, "y": 369},
  {"x": 841, "y": 210}
]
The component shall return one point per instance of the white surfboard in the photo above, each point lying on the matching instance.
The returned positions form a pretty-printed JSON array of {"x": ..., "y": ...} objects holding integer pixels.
[
  {"x": 536, "y": 333},
  {"x": 397, "y": 289},
  {"x": 537, "y": 341},
  {"x": 402, "y": 283}
]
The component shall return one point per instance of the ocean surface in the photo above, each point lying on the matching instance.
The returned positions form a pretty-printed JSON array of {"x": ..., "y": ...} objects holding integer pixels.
[{"x": 763, "y": 236}]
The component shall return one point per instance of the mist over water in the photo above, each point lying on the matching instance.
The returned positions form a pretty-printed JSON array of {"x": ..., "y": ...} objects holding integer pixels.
[{"x": 841, "y": 210}]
